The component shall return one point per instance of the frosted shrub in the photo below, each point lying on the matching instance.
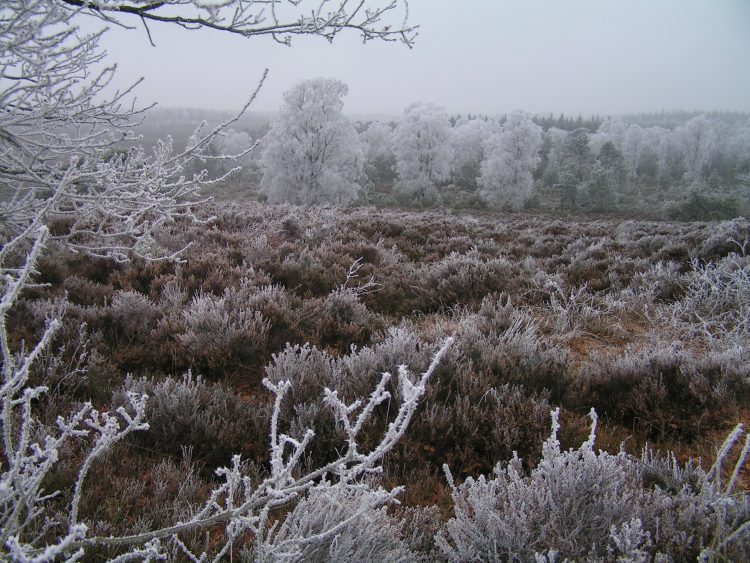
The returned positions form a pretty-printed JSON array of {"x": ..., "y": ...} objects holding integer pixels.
[
  {"x": 208, "y": 417},
  {"x": 176, "y": 489},
  {"x": 567, "y": 503},
  {"x": 462, "y": 278},
  {"x": 219, "y": 334},
  {"x": 173, "y": 296},
  {"x": 366, "y": 532},
  {"x": 341, "y": 319},
  {"x": 86, "y": 292},
  {"x": 661, "y": 282},
  {"x": 573, "y": 311},
  {"x": 665, "y": 388},
  {"x": 723, "y": 238},
  {"x": 311, "y": 370},
  {"x": 281, "y": 309},
  {"x": 580, "y": 504},
  {"x": 474, "y": 424},
  {"x": 518, "y": 354},
  {"x": 717, "y": 299},
  {"x": 496, "y": 312},
  {"x": 318, "y": 271},
  {"x": 134, "y": 314}
]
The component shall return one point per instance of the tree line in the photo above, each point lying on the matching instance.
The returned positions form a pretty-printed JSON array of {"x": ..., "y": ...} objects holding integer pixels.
[{"x": 689, "y": 166}]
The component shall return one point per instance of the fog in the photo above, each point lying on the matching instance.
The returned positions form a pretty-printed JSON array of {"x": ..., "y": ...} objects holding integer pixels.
[{"x": 479, "y": 56}]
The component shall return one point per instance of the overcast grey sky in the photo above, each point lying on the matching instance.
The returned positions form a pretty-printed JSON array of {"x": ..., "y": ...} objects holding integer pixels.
[{"x": 479, "y": 56}]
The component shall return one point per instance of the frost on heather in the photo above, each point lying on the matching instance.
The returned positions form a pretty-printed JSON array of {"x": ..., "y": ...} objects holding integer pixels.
[{"x": 583, "y": 505}]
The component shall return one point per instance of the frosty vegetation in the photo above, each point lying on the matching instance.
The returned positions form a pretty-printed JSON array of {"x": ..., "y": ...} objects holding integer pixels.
[
  {"x": 422, "y": 151},
  {"x": 70, "y": 183},
  {"x": 184, "y": 380},
  {"x": 544, "y": 315}
]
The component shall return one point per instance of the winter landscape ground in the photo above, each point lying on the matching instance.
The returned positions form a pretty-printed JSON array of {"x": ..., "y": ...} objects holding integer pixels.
[{"x": 645, "y": 322}]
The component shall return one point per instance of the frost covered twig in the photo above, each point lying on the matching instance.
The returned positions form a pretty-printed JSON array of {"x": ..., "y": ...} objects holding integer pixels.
[
  {"x": 241, "y": 507},
  {"x": 280, "y": 19},
  {"x": 370, "y": 286}
]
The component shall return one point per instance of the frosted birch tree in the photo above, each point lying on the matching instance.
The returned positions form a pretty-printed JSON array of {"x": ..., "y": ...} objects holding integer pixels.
[
  {"x": 312, "y": 153},
  {"x": 422, "y": 146},
  {"x": 697, "y": 139},
  {"x": 511, "y": 155},
  {"x": 61, "y": 163}
]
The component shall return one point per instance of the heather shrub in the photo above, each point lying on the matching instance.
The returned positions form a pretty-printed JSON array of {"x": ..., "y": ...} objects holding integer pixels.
[
  {"x": 339, "y": 320},
  {"x": 588, "y": 263},
  {"x": 369, "y": 532},
  {"x": 461, "y": 279},
  {"x": 313, "y": 271},
  {"x": 172, "y": 295},
  {"x": 576, "y": 311},
  {"x": 471, "y": 431},
  {"x": 220, "y": 335},
  {"x": 496, "y": 312},
  {"x": 664, "y": 390},
  {"x": 72, "y": 369},
  {"x": 209, "y": 418},
  {"x": 311, "y": 370},
  {"x": 583, "y": 505},
  {"x": 662, "y": 282},
  {"x": 83, "y": 291},
  {"x": 142, "y": 494},
  {"x": 721, "y": 239},
  {"x": 133, "y": 315},
  {"x": 717, "y": 298},
  {"x": 517, "y": 354},
  {"x": 282, "y": 311}
]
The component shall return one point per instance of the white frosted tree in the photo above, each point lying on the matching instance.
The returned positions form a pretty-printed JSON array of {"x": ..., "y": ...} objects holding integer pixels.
[
  {"x": 312, "y": 153},
  {"x": 511, "y": 155},
  {"x": 698, "y": 139},
  {"x": 62, "y": 163},
  {"x": 422, "y": 146}
]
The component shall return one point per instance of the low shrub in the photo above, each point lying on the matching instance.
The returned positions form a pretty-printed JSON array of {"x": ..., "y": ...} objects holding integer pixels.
[
  {"x": 208, "y": 418},
  {"x": 584, "y": 505}
]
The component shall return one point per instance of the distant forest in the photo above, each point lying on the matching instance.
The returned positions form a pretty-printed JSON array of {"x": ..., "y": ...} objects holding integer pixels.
[{"x": 686, "y": 165}]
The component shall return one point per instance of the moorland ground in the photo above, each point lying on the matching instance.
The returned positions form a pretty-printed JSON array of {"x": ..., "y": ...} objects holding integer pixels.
[{"x": 644, "y": 321}]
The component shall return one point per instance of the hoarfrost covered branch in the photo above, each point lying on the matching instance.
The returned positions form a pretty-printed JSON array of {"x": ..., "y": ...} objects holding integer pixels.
[{"x": 280, "y": 19}]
